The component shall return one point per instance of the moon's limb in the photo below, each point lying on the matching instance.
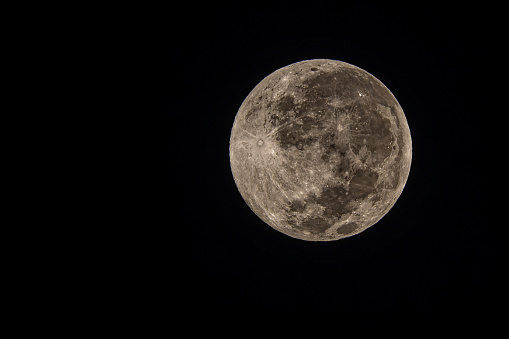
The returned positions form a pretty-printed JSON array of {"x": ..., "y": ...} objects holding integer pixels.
[{"x": 320, "y": 150}]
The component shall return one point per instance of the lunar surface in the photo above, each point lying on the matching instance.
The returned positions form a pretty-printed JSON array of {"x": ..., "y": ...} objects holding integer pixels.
[{"x": 320, "y": 150}]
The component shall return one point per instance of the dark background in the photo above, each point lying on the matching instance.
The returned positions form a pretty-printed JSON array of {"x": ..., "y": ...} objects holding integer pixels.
[{"x": 193, "y": 245}]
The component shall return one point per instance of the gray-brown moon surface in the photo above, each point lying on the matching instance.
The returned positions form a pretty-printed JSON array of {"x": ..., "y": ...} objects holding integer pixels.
[{"x": 320, "y": 150}]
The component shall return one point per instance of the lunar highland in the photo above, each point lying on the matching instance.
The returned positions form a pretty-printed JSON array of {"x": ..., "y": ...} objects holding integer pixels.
[{"x": 320, "y": 150}]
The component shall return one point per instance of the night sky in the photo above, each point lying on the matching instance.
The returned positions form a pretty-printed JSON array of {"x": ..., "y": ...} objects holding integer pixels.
[{"x": 435, "y": 254}]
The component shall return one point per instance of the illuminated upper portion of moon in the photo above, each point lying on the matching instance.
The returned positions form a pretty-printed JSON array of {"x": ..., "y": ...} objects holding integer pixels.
[{"x": 320, "y": 150}]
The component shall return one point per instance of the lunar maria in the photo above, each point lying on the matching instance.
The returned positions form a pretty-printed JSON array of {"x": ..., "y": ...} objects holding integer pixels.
[{"x": 320, "y": 150}]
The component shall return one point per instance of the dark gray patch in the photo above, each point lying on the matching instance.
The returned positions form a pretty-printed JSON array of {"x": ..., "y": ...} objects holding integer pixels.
[
  {"x": 363, "y": 183},
  {"x": 314, "y": 69},
  {"x": 375, "y": 129},
  {"x": 297, "y": 206},
  {"x": 340, "y": 83},
  {"x": 334, "y": 200},
  {"x": 343, "y": 166},
  {"x": 325, "y": 158},
  {"x": 293, "y": 136},
  {"x": 315, "y": 225},
  {"x": 315, "y": 104},
  {"x": 286, "y": 103},
  {"x": 347, "y": 228},
  {"x": 308, "y": 123}
]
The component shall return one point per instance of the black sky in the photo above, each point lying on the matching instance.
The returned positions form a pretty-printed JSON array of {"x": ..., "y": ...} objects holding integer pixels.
[{"x": 434, "y": 254}]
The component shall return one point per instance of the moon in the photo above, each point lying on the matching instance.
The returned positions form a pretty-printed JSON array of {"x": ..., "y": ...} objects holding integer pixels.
[{"x": 320, "y": 150}]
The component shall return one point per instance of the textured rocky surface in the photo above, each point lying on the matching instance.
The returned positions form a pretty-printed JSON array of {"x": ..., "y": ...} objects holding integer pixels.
[{"x": 320, "y": 150}]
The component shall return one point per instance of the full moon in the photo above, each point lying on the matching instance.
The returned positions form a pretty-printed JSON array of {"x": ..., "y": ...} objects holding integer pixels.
[{"x": 320, "y": 150}]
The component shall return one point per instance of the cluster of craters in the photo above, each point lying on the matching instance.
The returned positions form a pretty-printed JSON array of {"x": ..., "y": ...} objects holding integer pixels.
[{"x": 335, "y": 150}]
